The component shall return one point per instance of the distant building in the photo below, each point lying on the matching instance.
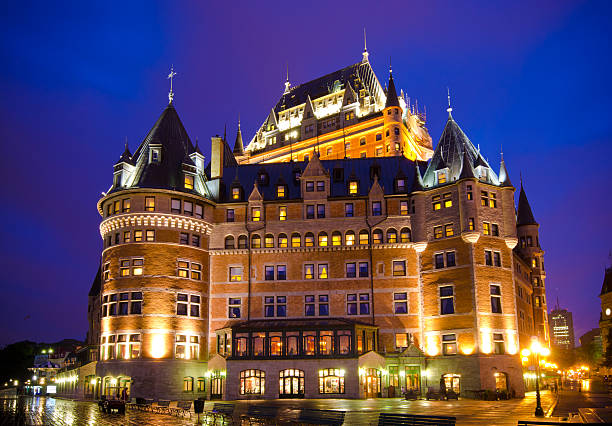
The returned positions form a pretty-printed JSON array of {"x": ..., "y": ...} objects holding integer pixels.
[{"x": 561, "y": 328}]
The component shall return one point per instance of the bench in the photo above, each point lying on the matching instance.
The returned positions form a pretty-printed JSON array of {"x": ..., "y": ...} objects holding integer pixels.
[
  {"x": 451, "y": 394},
  {"x": 260, "y": 414},
  {"x": 393, "y": 419},
  {"x": 221, "y": 410},
  {"x": 162, "y": 406},
  {"x": 431, "y": 394},
  {"x": 183, "y": 408},
  {"x": 411, "y": 394},
  {"x": 310, "y": 416}
]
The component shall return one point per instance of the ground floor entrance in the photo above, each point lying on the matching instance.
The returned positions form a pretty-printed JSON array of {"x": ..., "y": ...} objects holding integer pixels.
[{"x": 371, "y": 383}]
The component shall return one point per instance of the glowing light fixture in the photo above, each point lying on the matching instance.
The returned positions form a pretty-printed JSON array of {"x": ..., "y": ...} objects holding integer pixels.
[{"x": 158, "y": 346}]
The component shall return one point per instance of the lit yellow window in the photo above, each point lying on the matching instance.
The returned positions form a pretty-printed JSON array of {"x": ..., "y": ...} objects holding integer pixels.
[
  {"x": 403, "y": 208},
  {"x": 137, "y": 266},
  {"x": 533, "y": 262},
  {"x": 309, "y": 240},
  {"x": 117, "y": 207},
  {"x": 256, "y": 214},
  {"x": 471, "y": 224},
  {"x": 150, "y": 204},
  {"x": 441, "y": 177},
  {"x": 309, "y": 271},
  {"x": 235, "y": 193},
  {"x": 323, "y": 271},
  {"x": 493, "y": 200},
  {"x": 269, "y": 241},
  {"x": 436, "y": 204},
  {"x": 235, "y": 274},
  {"x": 296, "y": 240},
  {"x": 124, "y": 269},
  {"x": 196, "y": 273},
  {"x": 448, "y": 230},
  {"x": 364, "y": 238},
  {"x": 336, "y": 239},
  {"x": 438, "y": 232},
  {"x": 188, "y": 182},
  {"x": 486, "y": 228},
  {"x": 448, "y": 202},
  {"x": 137, "y": 236},
  {"x": 183, "y": 269},
  {"x": 323, "y": 240},
  {"x": 350, "y": 239},
  {"x": 282, "y": 241},
  {"x": 353, "y": 187},
  {"x": 282, "y": 213},
  {"x": 280, "y": 191},
  {"x": 401, "y": 340}
]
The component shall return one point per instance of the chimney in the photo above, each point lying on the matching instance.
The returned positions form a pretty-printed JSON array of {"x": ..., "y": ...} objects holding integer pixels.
[{"x": 216, "y": 157}]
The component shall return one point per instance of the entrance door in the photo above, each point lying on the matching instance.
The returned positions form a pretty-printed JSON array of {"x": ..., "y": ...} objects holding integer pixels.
[
  {"x": 452, "y": 382},
  {"x": 291, "y": 383},
  {"x": 216, "y": 387},
  {"x": 413, "y": 378},
  {"x": 371, "y": 383}
]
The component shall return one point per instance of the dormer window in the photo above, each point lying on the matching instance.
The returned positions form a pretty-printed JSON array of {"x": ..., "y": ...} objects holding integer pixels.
[
  {"x": 310, "y": 186},
  {"x": 353, "y": 187},
  {"x": 482, "y": 173},
  {"x": 400, "y": 185},
  {"x": 263, "y": 178},
  {"x": 256, "y": 214},
  {"x": 155, "y": 155},
  {"x": 296, "y": 175},
  {"x": 320, "y": 186},
  {"x": 442, "y": 176},
  {"x": 281, "y": 191},
  {"x": 188, "y": 182},
  {"x": 235, "y": 193},
  {"x": 338, "y": 174}
]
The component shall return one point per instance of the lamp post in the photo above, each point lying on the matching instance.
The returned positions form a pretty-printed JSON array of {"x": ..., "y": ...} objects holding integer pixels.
[{"x": 537, "y": 350}]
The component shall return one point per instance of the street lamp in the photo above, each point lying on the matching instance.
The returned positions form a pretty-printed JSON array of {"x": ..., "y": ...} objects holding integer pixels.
[{"x": 537, "y": 350}]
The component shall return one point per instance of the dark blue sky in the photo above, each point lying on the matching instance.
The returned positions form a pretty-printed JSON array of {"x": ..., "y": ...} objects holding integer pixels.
[{"x": 76, "y": 79}]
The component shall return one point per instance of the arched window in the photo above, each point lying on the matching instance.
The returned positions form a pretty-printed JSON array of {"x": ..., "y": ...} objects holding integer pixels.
[
  {"x": 391, "y": 235},
  {"x": 269, "y": 241},
  {"x": 349, "y": 238},
  {"x": 336, "y": 238},
  {"x": 377, "y": 236},
  {"x": 291, "y": 382},
  {"x": 243, "y": 242},
  {"x": 229, "y": 242},
  {"x": 331, "y": 380},
  {"x": 256, "y": 241},
  {"x": 201, "y": 384},
  {"x": 188, "y": 384},
  {"x": 405, "y": 235},
  {"x": 282, "y": 241},
  {"x": 322, "y": 239},
  {"x": 309, "y": 239},
  {"x": 364, "y": 237},
  {"x": 296, "y": 240},
  {"x": 252, "y": 382}
]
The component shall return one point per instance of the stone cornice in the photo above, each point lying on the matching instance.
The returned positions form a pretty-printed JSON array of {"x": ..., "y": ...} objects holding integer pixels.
[{"x": 160, "y": 220}]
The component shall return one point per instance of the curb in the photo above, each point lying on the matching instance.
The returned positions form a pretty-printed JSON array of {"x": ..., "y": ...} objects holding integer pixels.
[{"x": 552, "y": 406}]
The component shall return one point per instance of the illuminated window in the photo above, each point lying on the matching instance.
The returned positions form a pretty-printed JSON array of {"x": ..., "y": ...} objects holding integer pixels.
[
  {"x": 377, "y": 236},
  {"x": 233, "y": 307},
  {"x": 349, "y": 238},
  {"x": 188, "y": 269},
  {"x": 448, "y": 202},
  {"x": 309, "y": 240},
  {"x": 391, "y": 236},
  {"x": 282, "y": 213},
  {"x": 201, "y": 384},
  {"x": 436, "y": 204},
  {"x": 255, "y": 241},
  {"x": 150, "y": 204},
  {"x": 399, "y": 268},
  {"x": 256, "y": 214},
  {"x": 323, "y": 271},
  {"x": 468, "y": 192},
  {"x": 252, "y": 382},
  {"x": 296, "y": 240},
  {"x": 353, "y": 187},
  {"x": 400, "y": 304},
  {"x": 447, "y": 302},
  {"x": 484, "y": 198},
  {"x": 235, "y": 193},
  {"x": 438, "y": 232},
  {"x": 125, "y": 205},
  {"x": 280, "y": 191},
  {"x": 441, "y": 177},
  {"x": 471, "y": 224},
  {"x": 448, "y": 230},
  {"x": 405, "y": 235},
  {"x": 322, "y": 239},
  {"x": 188, "y": 182},
  {"x": 124, "y": 268},
  {"x": 498, "y": 343},
  {"x": 187, "y": 347},
  {"x": 309, "y": 271},
  {"x": 106, "y": 271},
  {"x": 269, "y": 241},
  {"x": 404, "y": 208},
  {"x": 486, "y": 228},
  {"x": 283, "y": 241},
  {"x": 449, "y": 344},
  {"x": 336, "y": 238},
  {"x": 401, "y": 342},
  {"x": 364, "y": 237},
  {"x": 493, "y": 200},
  {"x": 235, "y": 273},
  {"x": 116, "y": 207},
  {"x": 150, "y": 235}
]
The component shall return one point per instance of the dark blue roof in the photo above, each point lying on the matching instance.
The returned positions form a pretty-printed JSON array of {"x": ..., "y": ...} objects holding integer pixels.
[{"x": 340, "y": 172}]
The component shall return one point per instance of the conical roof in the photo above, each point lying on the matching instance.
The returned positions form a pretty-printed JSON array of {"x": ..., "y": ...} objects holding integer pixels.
[
  {"x": 524, "y": 215},
  {"x": 238, "y": 145},
  {"x": 126, "y": 157},
  {"x": 467, "y": 171},
  {"x": 392, "y": 99},
  {"x": 504, "y": 177},
  {"x": 169, "y": 133},
  {"x": 607, "y": 283}
]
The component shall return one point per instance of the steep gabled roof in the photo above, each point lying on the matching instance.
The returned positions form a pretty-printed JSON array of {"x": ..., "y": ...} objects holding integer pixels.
[
  {"x": 607, "y": 283},
  {"x": 126, "y": 157},
  {"x": 96, "y": 286},
  {"x": 524, "y": 215},
  {"x": 169, "y": 133},
  {"x": 450, "y": 151},
  {"x": 392, "y": 99},
  {"x": 238, "y": 145}
]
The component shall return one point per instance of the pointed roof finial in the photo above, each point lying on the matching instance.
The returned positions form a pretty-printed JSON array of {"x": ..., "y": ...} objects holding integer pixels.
[
  {"x": 365, "y": 53},
  {"x": 390, "y": 66},
  {"x": 287, "y": 84},
  {"x": 450, "y": 108},
  {"x": 171, "y": 77}
]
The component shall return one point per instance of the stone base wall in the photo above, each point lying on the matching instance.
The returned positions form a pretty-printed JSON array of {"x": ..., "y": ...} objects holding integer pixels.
[{"x": 157, "y": 379}]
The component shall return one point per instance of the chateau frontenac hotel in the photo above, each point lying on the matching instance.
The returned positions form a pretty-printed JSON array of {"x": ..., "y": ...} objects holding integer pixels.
[{"x": 340, "y": 254}]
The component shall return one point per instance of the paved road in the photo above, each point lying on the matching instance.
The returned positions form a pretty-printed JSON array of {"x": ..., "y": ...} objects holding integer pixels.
[{"x": 52, "y": 411}]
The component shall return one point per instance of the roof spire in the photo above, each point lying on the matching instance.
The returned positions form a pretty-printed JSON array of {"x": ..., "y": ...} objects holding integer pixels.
[
  {"x": 238, "y": 144},
  {"x": 171, "y": 77},
  {"x": 392, "y": 99},
  {"x": 365, "y": 53},
  {"x": 287, "y": 84},
  {"x": 450, "y": 108}
]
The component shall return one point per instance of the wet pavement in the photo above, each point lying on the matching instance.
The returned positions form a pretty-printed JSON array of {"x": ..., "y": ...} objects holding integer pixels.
[{"x": 54, "y": 411}]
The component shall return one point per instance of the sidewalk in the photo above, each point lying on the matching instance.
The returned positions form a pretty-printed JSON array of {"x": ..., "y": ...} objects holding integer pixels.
[{"x": 571, "y": 401}]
